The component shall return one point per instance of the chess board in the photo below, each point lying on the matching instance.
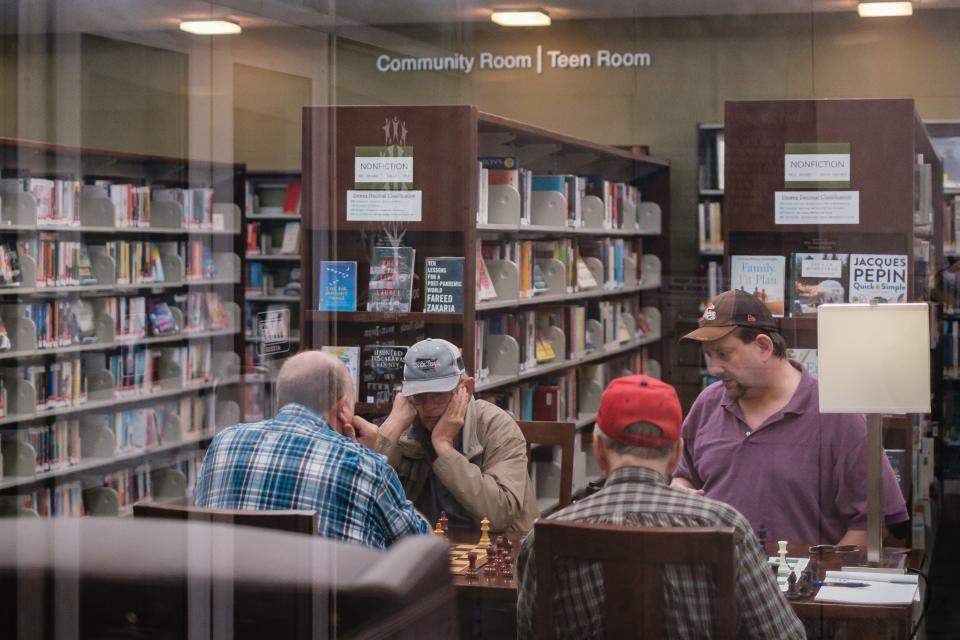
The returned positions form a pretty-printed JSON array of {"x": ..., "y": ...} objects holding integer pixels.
[{"x": 458, "y": 557}]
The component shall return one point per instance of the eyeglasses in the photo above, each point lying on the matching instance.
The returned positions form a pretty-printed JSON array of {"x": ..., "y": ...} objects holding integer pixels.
[
  {"x": 432, "y": 398},
  {"x": 834, "y": 548}
]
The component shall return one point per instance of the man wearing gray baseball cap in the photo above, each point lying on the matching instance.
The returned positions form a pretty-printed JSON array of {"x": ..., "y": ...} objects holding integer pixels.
[{"x": 453, "y": 453}]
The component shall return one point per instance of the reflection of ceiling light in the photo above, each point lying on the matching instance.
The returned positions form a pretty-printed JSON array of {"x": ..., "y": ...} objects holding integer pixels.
[
  {"x": 521, "y": 18},
  {"x": 209, "y": 27},
  {"x": 884, "y": 9}
]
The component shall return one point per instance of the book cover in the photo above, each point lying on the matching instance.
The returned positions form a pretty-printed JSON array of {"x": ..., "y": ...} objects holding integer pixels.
[
  {"x": 391, "y": 279},
  {"x": 350, "y": 357},
  {"x": 546, "y": 402},
  {"x": 291, "y": 201},
  {"x": 9, "y": 266},
  {"x": 762, "y": 276},
  {"x": 382, "y": 372},
  {"x": 486, "y": 289},
  {"x": 162, "y": 322},
  {"x": 543, "y": 350},
  {"x": 878, "y": 278},
  {"x": 818, "y": 278},
  {"x": 443, "y": 285},
  {"x": 291, "y": 238},
  {"x": 338, "y": 285}
]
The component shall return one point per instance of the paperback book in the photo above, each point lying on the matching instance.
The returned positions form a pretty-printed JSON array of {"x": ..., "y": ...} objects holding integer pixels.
[
  {"x": 761, "y": 276},
  {"x": 485, "y": 288},
  {"x": 382, "y": 372},
  {"x": 818, "y": 278},
  {"x": 878, "y": 278},
  {"x": 391, "y": 279},
  {"x": 338, "y": 285},
  {"x": 443, "y": 285}
]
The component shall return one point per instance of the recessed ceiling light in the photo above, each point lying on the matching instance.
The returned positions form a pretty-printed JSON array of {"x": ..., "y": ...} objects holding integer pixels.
[
  {"x": 209, "y": 27},
  {"x": 521, "y": 18},
  {"x": 884, "y": 9}
]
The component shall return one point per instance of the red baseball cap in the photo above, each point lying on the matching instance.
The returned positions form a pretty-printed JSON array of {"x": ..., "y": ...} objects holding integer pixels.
[{"x": 632, "y": 399}]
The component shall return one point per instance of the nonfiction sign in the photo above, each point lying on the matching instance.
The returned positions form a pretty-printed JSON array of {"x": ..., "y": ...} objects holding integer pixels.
[{"x": 539, "y": 60}]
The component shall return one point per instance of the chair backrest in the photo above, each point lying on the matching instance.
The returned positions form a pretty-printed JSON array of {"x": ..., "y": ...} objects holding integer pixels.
[
  {"x": 293, "y": 521},
  {"x": 633, "y": 560},
  {"x": 555, "y": 434}
]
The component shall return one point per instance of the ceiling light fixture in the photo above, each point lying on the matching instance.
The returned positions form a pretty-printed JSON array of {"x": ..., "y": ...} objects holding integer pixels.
[
  {"x": 521, "y": 18},
  {"x": 884, "y": 9},
  {"x": 209, "y": 27}
]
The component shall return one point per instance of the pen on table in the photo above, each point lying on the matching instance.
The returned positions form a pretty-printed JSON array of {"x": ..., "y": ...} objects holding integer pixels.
[{"x": 842, "y": 584}]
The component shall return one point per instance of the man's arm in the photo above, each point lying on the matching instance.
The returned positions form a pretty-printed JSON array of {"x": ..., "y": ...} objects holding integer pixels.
[
  {"x": 397, "y": 515},
  {"x": 854, "y": 536}
]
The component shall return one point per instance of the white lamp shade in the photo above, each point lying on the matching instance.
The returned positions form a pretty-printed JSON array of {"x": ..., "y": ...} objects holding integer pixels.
[{"x": 874, "y": 358}]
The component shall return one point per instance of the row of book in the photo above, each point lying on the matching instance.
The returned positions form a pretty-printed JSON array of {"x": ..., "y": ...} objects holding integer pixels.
[
  {"x": 819, "y": 278},
  {"x": 204, "y": 311},
  {"x": 951, "y": 292},
  {"x": 60, "y": 263},
  {"x": 64, "y": 499},
  {"x": 951, "y": 225},
  {"x": 505, "y": 170},
  {"x": 57, "y": 445},
  {"x": 138, "y": 370},
  {"x": 273, "y": 197},
  {"x": 712, "y": 159},
  {"x": 269, "y": 279},
  {"x": 58, "y": 202},
  {"x": 263, "y": 239},
  {"x": 62, "y": 323},
  {"x": 709, "y": 227},
  {"x": 57, "y": 385},
  {"x": 713, "y": 281}
]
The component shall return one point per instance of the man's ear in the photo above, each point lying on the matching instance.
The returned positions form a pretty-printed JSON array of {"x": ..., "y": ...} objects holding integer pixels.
[
  {"x": 470, "y": 384},
  {"x": 675, "y": 456},
  {"x": 600, "y": 454},
  {"x": 344, "y": 411},
  {"x": 765, "y": 343}
]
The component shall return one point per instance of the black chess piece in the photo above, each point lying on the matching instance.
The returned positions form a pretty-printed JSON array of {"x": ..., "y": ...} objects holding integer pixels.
[
  {"x": 472, "y": 572},
  {"x": 793, "y": 591},
  {"x": 490, "y": 568},
  {"x": 806, "y": 584},
  {"x": 762, "y": 537}
]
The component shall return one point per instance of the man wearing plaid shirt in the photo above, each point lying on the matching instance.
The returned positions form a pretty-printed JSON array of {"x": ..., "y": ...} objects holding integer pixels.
[
  {"x": 637, "y": 445},
  {"x": 307, "y": 457}
]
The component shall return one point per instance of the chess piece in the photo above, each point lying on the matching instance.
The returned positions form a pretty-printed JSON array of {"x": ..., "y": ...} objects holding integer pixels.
[
  {"x": 484, "y": 533},
  {"x": 490, "y": 568},
  {"x": 438, "y": 530},
  {"x": 507, "y": 565},
  {"x": 762, "y": 537},
  {"x": 500, "y": 543},
  {"x": 471, "y": 572},
  {"x": 444, "y": 522},
  {"x": 814, "y": 568},
  {"x": 782, "y": 551},
  {"x": 806, "y": 584},
  {"x": 792, "y": 589},
  {"x": 776, "y": 570}
]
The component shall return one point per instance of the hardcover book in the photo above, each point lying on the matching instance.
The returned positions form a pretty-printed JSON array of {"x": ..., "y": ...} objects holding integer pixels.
[
  {"x": 762, "y": 276},
  {"x": 391, "y": 279},
  {"x": 338, "y": 285},
  {"x": 818, "y": 278},
  {"x": 443, "y": 285},
  {"x": 878, "y": 278},
  {"x": 350, "y": 356},
  {"x": 162, "y": 322},
  {"x": 382, "y": 372}
]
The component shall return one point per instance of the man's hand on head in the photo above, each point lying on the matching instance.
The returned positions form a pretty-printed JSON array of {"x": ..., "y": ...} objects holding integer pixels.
[
  {"x": 683, "y": 485},
  {"x": 451, "y": 422},
  {"x": 365, "y": 432},
  {"x": 402, "y": 416}
]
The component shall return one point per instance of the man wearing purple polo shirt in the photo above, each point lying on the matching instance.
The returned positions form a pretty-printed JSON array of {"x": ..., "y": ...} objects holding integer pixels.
[{"x": 756, "y": 438}]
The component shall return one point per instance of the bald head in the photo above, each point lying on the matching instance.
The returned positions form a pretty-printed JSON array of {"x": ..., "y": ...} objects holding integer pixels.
[{"x": 314, "y": 379}]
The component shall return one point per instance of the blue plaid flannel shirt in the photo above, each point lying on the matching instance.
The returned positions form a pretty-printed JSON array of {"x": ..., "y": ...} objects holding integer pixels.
[{"x": 296, "y": 461}]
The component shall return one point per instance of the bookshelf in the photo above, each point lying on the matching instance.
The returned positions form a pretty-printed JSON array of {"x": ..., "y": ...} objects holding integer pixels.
[
  {"x": 710, "y": 183},
  {"x": 272, "y": 277},
  {"x": 121, "y": 295},
  {"x": 569, "y": 266},
  {"x": 892, "y": 174}
]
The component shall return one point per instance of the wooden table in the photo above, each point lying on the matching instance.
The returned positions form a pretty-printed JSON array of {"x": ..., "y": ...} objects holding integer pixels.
[{"x": 487, "y": 605}]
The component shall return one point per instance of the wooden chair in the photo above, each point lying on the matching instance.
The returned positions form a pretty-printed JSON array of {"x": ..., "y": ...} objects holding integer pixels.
[
  {"x": 555, "y": 434},
  {"x": 292, "y": 521},
  {"x": 633, "y": 559}
]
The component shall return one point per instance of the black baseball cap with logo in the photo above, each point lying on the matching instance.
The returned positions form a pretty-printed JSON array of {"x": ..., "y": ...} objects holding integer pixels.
[{"x": 729, "y": 310}]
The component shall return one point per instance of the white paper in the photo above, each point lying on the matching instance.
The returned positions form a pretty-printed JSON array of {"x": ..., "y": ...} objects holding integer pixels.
[
  {"x": 876, "y": 593},
  {"x": 872, "y": 576},
  {"x": 816, "y": 167},
  {"x": 817, "y": 207},
  {"x": 382, "y": 169},
  {"x": 384, "y": 206}
]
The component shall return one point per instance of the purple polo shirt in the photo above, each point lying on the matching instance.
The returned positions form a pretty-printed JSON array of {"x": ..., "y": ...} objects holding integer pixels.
[{"x": 802, "y": 474}]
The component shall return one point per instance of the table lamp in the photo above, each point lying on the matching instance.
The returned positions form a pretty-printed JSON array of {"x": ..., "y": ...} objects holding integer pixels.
[{"x": 874, "y": 359}]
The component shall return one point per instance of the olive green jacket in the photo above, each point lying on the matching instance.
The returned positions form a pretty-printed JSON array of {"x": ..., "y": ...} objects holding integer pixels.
[{"x": 489, "y": 478}]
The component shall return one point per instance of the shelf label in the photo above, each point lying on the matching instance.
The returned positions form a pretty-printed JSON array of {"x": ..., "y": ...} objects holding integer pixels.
[
  {"x": 384, "y": 206},
  {"x": 817, "y": 165},
  {"x": 385, "y": 168},
  {"x": 817, "y": 207}
]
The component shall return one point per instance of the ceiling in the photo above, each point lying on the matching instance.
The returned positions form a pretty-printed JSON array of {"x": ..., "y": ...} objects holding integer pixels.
[{"x": 103, "y": 16}]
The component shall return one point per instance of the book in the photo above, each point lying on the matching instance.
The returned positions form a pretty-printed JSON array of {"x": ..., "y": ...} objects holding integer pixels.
[
  {"x": 878, "y": 278},
  {"x": 291, "y": 238},
  {"x": 162, "y": 322},
  {"x": 9, "y": 266},
  {"x": 338, "y": 285},
  {"x": 762, "y": 276},
  {"x": 543, "y": 350},
  {"x": 485, "y": 290},
  {"x": 350, "y": 356},
  {"x": 391, "y": 279},
  {"x": 291, "y": 201},
  {"x": 818, "y": 278},
  {"x": 443, "y": 285},
  {"x": 382, "y": 372}
]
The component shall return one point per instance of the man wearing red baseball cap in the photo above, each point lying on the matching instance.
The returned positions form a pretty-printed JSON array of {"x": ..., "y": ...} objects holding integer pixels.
[
  {"x": 756, "y": 438},
  {"x": 637, "y": 445}
]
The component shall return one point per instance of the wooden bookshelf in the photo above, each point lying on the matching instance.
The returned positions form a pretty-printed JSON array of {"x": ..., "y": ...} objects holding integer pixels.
[
  {"x": 95, "y": 224},
  {"x": 447, "y": 142},
  {"x": 886, "y": 140}
]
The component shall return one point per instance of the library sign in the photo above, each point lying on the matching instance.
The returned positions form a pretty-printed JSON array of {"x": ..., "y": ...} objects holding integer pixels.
[{"x": 538, "y": 61}]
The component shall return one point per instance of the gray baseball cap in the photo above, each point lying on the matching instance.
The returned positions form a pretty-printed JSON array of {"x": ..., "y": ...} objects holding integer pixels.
[{"x": 431, "y": 366}]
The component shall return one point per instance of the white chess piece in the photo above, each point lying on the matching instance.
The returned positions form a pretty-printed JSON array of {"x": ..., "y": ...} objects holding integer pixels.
[{"x": 782, "y": 566}]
